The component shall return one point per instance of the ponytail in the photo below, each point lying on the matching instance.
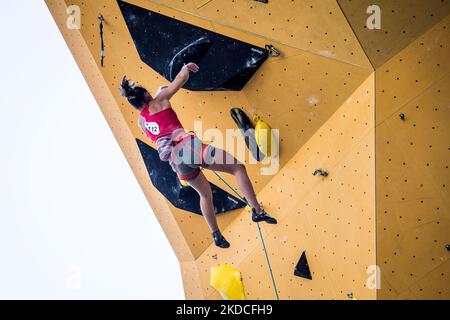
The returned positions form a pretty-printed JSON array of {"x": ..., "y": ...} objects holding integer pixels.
[{"x": 137, "y": 96}]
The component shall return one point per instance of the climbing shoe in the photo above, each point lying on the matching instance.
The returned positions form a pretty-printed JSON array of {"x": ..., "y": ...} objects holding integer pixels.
[
  {"x": 263, "y": 216},
  {"x": 220, "y": 240}
]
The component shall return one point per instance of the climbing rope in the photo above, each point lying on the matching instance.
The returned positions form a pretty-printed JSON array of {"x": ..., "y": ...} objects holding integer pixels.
[{"x": 260, "y": 233}]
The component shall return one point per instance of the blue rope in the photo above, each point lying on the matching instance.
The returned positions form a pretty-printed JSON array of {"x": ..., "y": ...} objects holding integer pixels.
[
  {"x": 268, "y": 261},
  {"x": 260, "y": 234}
]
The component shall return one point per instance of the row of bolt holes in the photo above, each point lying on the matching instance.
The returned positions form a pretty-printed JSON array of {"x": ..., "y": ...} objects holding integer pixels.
[
  {"x": 273, "y": 29},
  {"x": 421, "y": 185}
]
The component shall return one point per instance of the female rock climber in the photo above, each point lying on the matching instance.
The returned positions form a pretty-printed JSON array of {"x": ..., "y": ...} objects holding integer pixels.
[{"x": 185, "y": 152}]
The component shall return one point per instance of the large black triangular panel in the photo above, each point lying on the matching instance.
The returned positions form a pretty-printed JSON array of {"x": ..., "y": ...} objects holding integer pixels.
[
  {"x": 165, "y": 44},
  {"x": 186, "y": 198},
  {"x": 302, "y": 268}
]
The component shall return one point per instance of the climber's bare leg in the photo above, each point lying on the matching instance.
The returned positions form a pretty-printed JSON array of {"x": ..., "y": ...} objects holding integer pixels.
[{"x": 203, "y": 188}]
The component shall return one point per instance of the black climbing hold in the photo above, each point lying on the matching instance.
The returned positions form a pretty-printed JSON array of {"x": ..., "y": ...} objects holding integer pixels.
[
  {"x": 165, "y": 44},
  {"x": 402, "y": 116},
  {"x": 247, "y": 129},
  {"x": 320, "y": 172},
  {"x": 263, "y": 1},
  {"x": 302, "y": 268},
  {"x": 447, "y": 246},
  {"x": 186, "y": 198}
]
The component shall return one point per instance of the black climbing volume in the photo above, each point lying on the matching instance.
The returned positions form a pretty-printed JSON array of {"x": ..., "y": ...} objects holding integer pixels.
[
  {"x": 186, "y": 198},
  {"x": 165, "y": 44}
]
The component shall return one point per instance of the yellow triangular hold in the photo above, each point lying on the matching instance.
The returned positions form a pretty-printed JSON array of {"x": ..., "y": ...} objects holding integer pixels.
[
  {"x": 263, "y": 136},
  {"x": 228, "y": 282}
]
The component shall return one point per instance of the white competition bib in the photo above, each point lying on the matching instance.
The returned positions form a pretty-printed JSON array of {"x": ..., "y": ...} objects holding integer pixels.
[{"x": 153, "y": 127}]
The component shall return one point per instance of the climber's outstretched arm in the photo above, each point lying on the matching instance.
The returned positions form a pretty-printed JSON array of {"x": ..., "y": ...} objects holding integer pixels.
[{"x": 179, "y": 81}]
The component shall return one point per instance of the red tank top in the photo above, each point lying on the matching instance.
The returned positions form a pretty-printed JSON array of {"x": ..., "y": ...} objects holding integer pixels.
[{"x": 160, "y": 124}]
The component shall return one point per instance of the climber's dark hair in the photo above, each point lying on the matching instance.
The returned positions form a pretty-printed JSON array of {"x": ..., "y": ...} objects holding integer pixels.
[{"x": 137, "y": 96}]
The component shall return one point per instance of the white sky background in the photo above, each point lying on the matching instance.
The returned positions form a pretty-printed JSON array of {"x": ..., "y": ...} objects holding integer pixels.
[{"x": 74, "y": 222}]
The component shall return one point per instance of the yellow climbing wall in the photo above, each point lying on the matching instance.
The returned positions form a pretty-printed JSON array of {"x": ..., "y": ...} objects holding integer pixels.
[
  {"x": 413, "y": 203},
  {"x": 335, "y": 94},
  {"x": 402, "y": 21},
  {"x": 332, "y": 219}
]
